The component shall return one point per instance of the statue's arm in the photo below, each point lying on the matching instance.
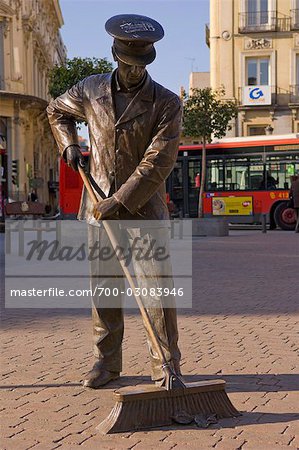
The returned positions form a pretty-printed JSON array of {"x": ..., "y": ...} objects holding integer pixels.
[
  {"x": 157, "y": 162},
  {"x": 63, "y": 113}
]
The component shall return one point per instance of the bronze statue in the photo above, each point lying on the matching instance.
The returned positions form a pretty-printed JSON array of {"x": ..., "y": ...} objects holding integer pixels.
[{"x": 134, "y": 127}]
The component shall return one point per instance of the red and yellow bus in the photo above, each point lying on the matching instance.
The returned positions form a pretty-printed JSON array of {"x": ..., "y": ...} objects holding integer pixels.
[{"x": 246, "y": 178}]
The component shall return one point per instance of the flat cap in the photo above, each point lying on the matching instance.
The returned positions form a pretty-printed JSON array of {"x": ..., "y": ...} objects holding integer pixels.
[{"x": 134, "y": 36}]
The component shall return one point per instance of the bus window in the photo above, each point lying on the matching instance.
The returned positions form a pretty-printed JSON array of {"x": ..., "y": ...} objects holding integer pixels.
[
  {"x": 236, "y": 175},
  {"x": 193, "y": 186},
  {"x": 215, "y": 179},
  {"x": 177, "y": 179},
  {"x": 256, "y": 175},
  {"x": 285, "y": 172},
  {"x": 194, "y": 170},
  {"x": 290, "y": 170},
  {"x": 274, "y": 178},
  {"x": 175, "y": 186},
  {"x": 282, "y": 172}
]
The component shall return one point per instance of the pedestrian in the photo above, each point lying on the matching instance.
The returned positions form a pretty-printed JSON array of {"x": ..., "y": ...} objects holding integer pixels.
[
  {"x": 268, "y": 181},
  {"x": 294, "y": 195},
  {"x": 32, "y": 196},
  {"x": 134, "y": 125}
]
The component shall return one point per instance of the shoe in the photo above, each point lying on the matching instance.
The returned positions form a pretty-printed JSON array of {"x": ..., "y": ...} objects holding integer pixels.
[{"x": 98, "y": 377}]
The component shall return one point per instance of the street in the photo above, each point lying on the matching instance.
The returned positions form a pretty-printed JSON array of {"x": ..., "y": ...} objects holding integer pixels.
[{"x": 242, "y": 328}]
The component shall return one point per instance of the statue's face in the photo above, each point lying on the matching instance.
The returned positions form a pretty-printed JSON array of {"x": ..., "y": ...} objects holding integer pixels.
[{"x": 130, "y": 76}]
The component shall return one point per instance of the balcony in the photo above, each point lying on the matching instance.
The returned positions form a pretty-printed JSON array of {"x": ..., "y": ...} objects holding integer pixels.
[
  {"x": 255, "y": 22},
  {"x": 294, "y": 94},
  {"x": 295, "y": 19}
]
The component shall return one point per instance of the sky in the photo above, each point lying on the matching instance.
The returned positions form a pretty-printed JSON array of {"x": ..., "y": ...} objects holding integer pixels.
[{"x": 181, "y": 51}]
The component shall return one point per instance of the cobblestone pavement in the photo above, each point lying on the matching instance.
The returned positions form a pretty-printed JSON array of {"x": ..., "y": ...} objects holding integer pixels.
[{"x": 242, "y": 329}]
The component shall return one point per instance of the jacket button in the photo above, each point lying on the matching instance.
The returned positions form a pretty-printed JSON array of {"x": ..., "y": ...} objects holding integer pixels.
[{"x": 111, "y": 173}]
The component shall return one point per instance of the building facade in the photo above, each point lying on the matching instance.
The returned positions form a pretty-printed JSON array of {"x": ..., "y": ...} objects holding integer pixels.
[
  {"x": 30, "y": 44},
  {"x": 254, "y": 54},
  {"x": 199, "y": 80}
]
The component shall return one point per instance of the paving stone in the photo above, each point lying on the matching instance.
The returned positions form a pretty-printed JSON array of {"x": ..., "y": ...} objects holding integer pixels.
[
  {"x": 227, "y": 443},
  {"x": 256, "y": 446}
]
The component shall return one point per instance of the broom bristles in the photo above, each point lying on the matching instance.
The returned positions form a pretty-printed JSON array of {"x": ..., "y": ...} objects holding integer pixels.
[{"x": 143, "y": 407}]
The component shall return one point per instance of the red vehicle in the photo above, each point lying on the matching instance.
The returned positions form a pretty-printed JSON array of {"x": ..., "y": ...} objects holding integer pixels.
[
  {"x": 70, "y": 188},
  {"x": 246, "y": 178}
]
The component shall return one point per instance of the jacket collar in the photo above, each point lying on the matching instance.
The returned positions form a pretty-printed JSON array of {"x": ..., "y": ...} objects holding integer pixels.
[
  {"x": 134, "y": 89},
  {"x": 140, "y": 103}
]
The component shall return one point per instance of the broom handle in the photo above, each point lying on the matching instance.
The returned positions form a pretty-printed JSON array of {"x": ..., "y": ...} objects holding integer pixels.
[{"x": 150, "y": 329}]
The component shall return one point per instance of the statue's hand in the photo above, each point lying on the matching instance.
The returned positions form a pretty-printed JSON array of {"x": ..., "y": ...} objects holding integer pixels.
[
  {"x": 74, "y": 157},
  {"x": 106, "y": 208}
]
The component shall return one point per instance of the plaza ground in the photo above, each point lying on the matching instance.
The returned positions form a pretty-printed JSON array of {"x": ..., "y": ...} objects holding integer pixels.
[{"x": 242, "y": 328}]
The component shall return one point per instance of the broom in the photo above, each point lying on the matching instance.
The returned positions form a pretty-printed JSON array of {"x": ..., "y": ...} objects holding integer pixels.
[{"x": 148, "y": 406}]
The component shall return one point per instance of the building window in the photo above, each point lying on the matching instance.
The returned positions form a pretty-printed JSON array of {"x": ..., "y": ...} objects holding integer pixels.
[
  {"x": 256, "y": 130},
  {"x": 257, "y": 71},
  {"x": 295, "y": 15},
  {"x": 294, "y": 88},
  {"x": 257, "y": 12},
  {"x": 257, "y": 15}
]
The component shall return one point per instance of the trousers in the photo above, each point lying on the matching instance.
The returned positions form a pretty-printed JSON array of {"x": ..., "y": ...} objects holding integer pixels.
[
  {"x": 152, "y": 275},
  {"x": 297, "y": 220}
]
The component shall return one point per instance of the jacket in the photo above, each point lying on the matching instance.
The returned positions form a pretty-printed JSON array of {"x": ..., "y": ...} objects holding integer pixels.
[{"x": 136, "y": 153}]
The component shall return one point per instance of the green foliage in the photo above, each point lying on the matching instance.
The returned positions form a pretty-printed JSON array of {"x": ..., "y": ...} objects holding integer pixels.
[
  {"x": 207, "y": 114},
  {"x": 73, "y": 71}
]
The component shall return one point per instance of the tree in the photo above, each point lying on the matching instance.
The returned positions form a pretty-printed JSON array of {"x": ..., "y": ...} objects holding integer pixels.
[
  {"x": 207, "y": 114},
  {"x": 74, "y": 70}
]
